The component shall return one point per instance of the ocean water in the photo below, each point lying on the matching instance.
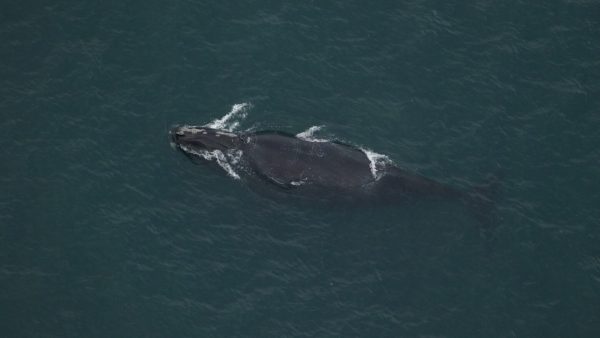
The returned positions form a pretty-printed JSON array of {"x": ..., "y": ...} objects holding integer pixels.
[{"x": 105, "y": 231}]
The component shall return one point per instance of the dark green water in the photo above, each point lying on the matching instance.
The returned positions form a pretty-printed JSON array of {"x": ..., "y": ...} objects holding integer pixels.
[{"x": 105, "y": 231}]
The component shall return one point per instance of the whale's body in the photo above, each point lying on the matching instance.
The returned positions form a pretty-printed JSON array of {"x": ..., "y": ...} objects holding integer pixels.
[
  {"x": 291, "y": 162},
  {"x": 298, "y": 165}
]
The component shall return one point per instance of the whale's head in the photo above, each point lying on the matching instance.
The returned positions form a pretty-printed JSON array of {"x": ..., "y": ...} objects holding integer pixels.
[{"x": 197, "y": 139}]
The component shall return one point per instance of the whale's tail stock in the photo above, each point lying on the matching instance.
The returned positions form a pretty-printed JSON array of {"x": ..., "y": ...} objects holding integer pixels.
[{"x": 481, "y": 201}]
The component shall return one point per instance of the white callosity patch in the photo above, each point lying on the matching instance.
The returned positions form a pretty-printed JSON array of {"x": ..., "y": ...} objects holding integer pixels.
[
  {"x": 309, "y": 134},
  {"x": 228, "y": 122},
  {"x": 297, "y": 183},
  {"x": 376, "y": 161},
  {"x": 217, "y": 156},
  {"x": 224, "y": 133},
  {"x": 191, "y": 130}
]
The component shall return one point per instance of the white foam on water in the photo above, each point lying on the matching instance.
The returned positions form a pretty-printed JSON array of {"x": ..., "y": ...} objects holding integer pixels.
[
  {"x": 231, "y": 121},
  {"x": 234, "y": 156},
  {"x": 376, "y": 160},
  {"x": 217, "y": 156},
  {"x": 308, "y": 134}
]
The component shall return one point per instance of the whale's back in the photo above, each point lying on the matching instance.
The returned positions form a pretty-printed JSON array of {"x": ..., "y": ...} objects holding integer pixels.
[{"x": 292, "y": 162}]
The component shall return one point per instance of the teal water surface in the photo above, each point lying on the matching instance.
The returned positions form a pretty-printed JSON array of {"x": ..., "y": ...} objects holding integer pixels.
[{"x": 105, "y": 231}]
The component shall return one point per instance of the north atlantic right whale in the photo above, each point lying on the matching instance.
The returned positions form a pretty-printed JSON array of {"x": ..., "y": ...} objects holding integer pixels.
[{"x": 300, "y": 166}]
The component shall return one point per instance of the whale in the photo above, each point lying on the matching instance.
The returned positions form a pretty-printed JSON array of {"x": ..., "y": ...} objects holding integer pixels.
[{"x": 317, "y": 169}]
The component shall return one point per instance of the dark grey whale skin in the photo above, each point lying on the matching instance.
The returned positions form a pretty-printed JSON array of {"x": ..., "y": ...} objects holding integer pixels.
[{"x": 321, "y": 168}]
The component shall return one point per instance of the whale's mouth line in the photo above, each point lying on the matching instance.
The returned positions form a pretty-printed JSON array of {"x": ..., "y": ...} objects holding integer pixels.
[
  {"x": 225, "y": 160},
  {"x": 187, "y": 150}
]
